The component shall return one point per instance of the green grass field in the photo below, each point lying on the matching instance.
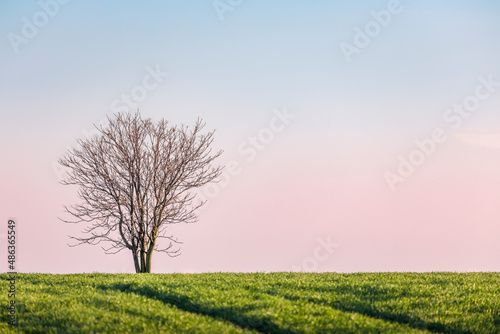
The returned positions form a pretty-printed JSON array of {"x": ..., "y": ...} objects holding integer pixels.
[{"x": 258, "y": 303}]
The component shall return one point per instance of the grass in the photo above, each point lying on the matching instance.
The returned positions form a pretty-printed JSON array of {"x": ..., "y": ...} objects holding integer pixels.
[{"x": 255, "y": 303}]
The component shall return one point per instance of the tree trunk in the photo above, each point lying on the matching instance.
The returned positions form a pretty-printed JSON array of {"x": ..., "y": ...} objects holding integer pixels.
[
  {"x": 142, "y": 256},
  {"x": 142, "y": 261},
  {"x": 149, "y": 255},
  {"x": 136, "y": 262}
]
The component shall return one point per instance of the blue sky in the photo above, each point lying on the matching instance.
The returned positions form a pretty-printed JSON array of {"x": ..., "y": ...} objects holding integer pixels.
[{"x": 262, "y": 53}]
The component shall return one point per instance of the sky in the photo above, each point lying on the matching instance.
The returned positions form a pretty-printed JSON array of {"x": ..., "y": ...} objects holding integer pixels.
[{"x": 360, "y": 136}]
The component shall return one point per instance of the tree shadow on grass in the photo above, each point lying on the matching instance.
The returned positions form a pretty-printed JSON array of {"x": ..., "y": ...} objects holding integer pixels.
[
  {"x": 236, "y": 315},
  {"x": 363, "y": 304}
]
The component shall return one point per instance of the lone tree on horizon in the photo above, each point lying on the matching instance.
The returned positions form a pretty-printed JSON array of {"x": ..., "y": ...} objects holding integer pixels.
[{"x": 135, "y": 178}]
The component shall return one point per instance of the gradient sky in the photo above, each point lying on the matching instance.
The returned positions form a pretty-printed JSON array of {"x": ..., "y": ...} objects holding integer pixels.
[{"x": 323, "y": 177}]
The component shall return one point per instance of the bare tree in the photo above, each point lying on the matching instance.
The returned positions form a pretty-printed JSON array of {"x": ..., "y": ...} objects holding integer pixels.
[{"x": 135, "y": 178}]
